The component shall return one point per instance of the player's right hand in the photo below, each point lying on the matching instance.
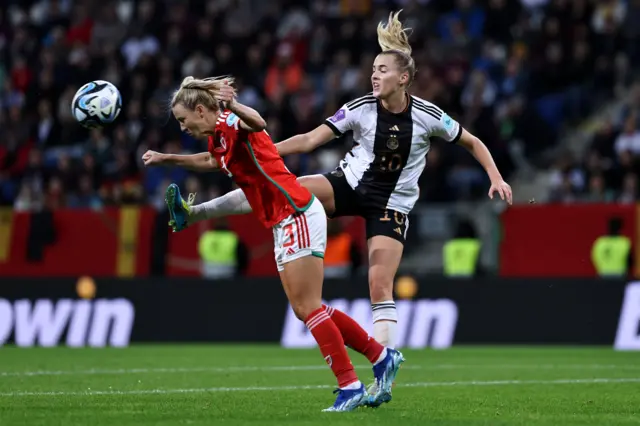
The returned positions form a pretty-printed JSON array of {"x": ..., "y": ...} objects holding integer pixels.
[{"x": 153, "y": 158}]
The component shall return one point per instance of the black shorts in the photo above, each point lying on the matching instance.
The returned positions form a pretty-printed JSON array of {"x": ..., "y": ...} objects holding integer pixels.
[{"x": 379, "y": 221}]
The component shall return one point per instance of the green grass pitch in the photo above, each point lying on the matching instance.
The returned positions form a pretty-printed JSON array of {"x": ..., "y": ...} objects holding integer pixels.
[{"x": 267, "y": 385}]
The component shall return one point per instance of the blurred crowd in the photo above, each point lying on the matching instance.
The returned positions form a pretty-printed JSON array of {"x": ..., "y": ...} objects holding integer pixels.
[
  {"x": 514, "y": 72},
  {"x": 608, "y": 171}
]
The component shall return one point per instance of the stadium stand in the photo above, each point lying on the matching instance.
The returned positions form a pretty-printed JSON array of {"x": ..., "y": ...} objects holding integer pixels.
[{"x": 510, "y": 71}]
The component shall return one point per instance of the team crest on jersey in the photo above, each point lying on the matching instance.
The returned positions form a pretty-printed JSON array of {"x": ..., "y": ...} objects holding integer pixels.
[
  {"x": 392, "y": 143},
  {"x": 338, "y": 116},
  {"x": 447, "y": 121},
  {"x": 223, "y": 145}
]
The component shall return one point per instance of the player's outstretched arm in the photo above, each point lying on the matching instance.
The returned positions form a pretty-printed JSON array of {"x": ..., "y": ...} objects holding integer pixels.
[
  {"x": 480, "y": 151},
  {"x": 307, "y": 142},
  {"x": 201, "y": 162}
]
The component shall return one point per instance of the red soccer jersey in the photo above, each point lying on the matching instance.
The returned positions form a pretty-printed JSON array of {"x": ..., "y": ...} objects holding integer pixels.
[{"x": 252, "y": 161}]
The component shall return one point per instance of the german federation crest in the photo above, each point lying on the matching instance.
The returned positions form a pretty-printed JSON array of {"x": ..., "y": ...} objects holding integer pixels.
[{"x": 392, "y": 143}]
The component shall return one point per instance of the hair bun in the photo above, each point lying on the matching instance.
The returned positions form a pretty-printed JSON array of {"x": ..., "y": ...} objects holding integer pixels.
[{"x": 186, "y": 82}]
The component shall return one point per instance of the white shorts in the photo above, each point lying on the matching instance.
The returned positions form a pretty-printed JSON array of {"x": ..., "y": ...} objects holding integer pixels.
[{"x": 301, "y": 234}]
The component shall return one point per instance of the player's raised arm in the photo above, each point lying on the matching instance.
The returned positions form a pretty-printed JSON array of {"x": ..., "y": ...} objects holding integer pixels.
[
  {"x": 250, "y": 119},
  {"x": 306, "y": 142},
  {"x": 480, "y": 151},
  {"x": 201, "y": 162},
  {"x": 345, "y": 119}
]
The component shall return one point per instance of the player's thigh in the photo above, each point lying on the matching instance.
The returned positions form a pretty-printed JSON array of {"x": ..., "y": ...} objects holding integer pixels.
[
  {"x": 320, "y": 186},
  {"x": 299, "y": 244},
  {"x": 386, "y": 233},
  {"x": 302, "y": 282}
]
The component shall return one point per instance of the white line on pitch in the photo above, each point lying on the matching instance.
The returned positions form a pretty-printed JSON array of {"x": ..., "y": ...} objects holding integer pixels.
[
  {"x": 90, "y": 392},
  {"x": 241, "y": 369}
]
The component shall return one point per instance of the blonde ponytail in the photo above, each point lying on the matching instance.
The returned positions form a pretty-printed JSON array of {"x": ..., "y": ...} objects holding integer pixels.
[
  {"x": 393, "y": 36},
  {"x": 393, "y": 39},
  {"x": 195, "y": 91}
]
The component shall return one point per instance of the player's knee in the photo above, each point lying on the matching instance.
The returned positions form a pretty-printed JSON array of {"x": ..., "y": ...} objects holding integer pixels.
[
  {"x": 380, "y": 284},
  {"x": 303, "y": 308}
]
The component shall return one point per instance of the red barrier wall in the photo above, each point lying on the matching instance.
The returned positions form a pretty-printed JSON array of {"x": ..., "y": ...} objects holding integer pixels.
[
  {"x": 87, "y": 243},
  {"x": 95, "y": 244},
  {"x": 537, "y": 241},
  {"x": 556, "y": 240}
]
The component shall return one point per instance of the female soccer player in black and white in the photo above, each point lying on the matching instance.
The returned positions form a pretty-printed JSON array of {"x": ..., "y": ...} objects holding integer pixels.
[{"x": 378, "y": 178}]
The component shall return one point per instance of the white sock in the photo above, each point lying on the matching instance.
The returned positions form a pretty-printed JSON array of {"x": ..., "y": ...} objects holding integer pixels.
[
  {"x": 385, "y": 322},
  {"x": 353, "y": 386},
  {"x": 231, "y": 203},
  {"x": 382, "y": 356}
]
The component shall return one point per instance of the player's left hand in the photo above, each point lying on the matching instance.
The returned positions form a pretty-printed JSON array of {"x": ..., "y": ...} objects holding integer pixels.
[
  {"x": 503, "y": 189},
  {"x": 226, "y": 95}
]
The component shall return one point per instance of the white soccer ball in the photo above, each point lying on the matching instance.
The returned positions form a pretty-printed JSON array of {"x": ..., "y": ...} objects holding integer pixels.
[{"x": 96, "y": 104}]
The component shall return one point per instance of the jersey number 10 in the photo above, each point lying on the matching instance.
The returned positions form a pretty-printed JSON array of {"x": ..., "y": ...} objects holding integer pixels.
[{"x": 393, "y": 163}]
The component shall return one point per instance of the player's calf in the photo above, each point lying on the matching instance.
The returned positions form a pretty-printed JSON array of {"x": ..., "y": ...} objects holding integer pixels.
[{"x": 386, "y": 361}]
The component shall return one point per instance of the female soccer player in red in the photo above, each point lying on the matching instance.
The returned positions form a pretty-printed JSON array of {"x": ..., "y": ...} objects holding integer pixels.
[{"x": 240, "y": 146}]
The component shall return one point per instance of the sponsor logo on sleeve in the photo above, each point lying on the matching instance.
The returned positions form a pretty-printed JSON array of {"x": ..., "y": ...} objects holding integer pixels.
[
  {"x": 338, "y": 116},
  {"x": 232, "y": 120},
  {"x": 448, "y": 122}
]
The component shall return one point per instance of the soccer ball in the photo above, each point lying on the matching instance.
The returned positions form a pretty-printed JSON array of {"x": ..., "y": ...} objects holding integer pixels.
[{"x": 96, "y": 104}]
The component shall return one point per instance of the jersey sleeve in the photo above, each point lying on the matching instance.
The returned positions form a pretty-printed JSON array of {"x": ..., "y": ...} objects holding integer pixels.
[
  {"x": 446, "y": 128},
  {"x": 233, "y": 121},
  {"x": 232, "y": 127},
  {"x": 342, "y": 121}
]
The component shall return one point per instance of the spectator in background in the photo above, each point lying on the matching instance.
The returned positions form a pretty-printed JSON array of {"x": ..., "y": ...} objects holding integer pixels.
[
  {"x": 84, "y": 196},
  {"x": 565, "y": 192},
  {"x": 468, "y": 19},
  {"x": 626, "y": 163},
  {"x": 108, "y": 30},
  {"x": 603, "y": 140},
  {"x": 597, "y": 191},
  {"x": 608, "y": 15},
  {"x": 461, "y": 254},
  {"x": 28, "y": 199},
  {"x": 137, "y": 45},
  {"x": 629, "y": 139},
  {"x": 629, "y": 194},
  {"x": 342, "y": 257},
  {"x": 612, "y": 253},
  {"x": 48, "y": 131},
  {"x": 480, "y": 92},
  {"x": 284, "y": 76},
  {"x": 222, "y": 252}
]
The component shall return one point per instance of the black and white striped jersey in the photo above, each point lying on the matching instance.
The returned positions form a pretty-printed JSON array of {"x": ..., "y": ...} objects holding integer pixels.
[{"x": 390, "y": 150}]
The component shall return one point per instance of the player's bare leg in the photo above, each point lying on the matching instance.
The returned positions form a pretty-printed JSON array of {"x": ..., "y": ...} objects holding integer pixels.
[
  {"x": 235, "y": 203},
  {"x": 320, "y": 186},
  {"x": 302, "y": 281},
  {"x": 385, "y": 254}
]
